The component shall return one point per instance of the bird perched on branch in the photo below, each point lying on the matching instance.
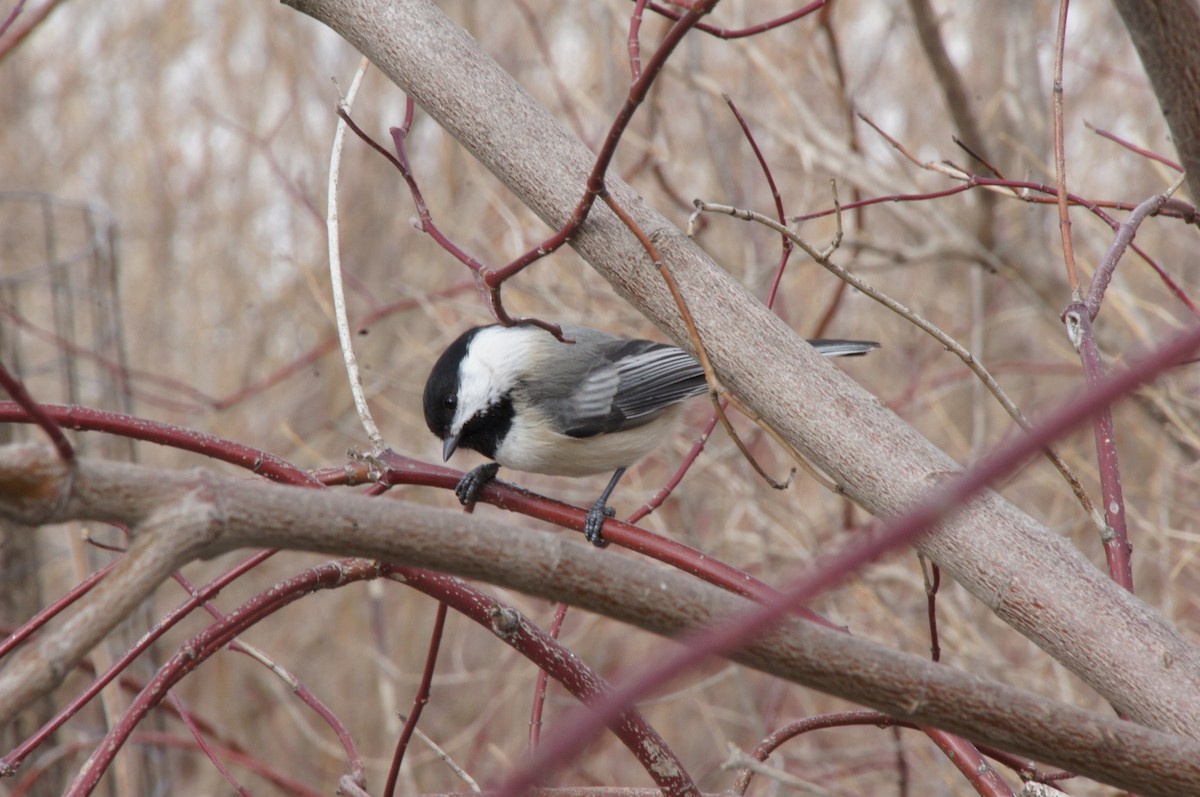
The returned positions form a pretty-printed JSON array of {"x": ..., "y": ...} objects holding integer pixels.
[{"x": 531, "y": 402}]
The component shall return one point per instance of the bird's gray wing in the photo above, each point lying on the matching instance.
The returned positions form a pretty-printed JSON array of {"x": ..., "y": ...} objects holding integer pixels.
[
  {"x": 634, "y": 381},
  {"x": 632, "y": 384}
]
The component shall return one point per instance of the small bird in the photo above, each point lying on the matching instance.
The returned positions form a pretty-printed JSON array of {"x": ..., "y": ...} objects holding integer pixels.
[{"x": 531, "y": 402}]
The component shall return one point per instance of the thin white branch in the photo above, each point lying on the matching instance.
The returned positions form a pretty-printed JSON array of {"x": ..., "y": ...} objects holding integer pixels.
[{"x": 335, "y": 269}]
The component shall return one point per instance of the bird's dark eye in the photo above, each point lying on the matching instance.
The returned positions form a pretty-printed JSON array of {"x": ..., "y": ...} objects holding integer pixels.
[{"x": 450, "y": 401}]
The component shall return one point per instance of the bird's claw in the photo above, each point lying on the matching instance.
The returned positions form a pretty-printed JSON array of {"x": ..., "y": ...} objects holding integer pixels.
[
  {"x": 471, "y": 485},
  {"x": 595, "y": 523}
]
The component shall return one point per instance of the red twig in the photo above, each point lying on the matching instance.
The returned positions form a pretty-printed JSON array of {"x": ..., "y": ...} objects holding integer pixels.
[
  {"x": 197, "y": 650},
  {"x": 404, "y": 470},
  {"x": 38, "y": 414},
  {"x": 738, "y": 33},
  {"x": 629, "y": 726},
  {"x": 330, "y": 344},
  {"x": 300, "y": 690},
  {"x": 1026, "y": 768},
  {"x": 539, "y": 690},
  {"x": 1145, "y": 153},
  {"x": 537, "y": 31},
  {"x": 793, "y": 729},
  {"x": 210, "y": 590},
  {"x": 786, "y": 252},
  {"x": 634, "y": 42},
  {"x": 209, "y": 750},
  {"x": 231, "y": 752},
  {"x": 1117, "y": 549},
  {"x": 218, "y": 448},
  {"x": 419, "y": 700},
  {"x": 12, "y": 17},
  {"x": 27, "y": 629},
  {"x": 31, "y": 23},
  {"x": 933, "y": 580},
  {"x": 665, "y": 491},
  {"x": 120, "y": 373}
]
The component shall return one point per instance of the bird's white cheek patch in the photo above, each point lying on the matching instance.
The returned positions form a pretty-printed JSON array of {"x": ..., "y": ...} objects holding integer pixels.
[
  {"x": 492, "y": 367},
  {"x": 473, "y": 395}
]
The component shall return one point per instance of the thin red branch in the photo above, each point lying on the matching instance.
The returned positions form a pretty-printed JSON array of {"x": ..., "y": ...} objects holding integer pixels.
[
  {"x": 584, "y": 683},
  {"x": 120, "y": 373},
  {"x": 1129, "y": 145},
  {"x": 231, "y": 752},
  {"x": 786, "y": 252},
  {"x": 420, "y": 699},
  {"x": 87, "y": 419},
  {"x": 209, "y": 750},
  {"x": 536, "y": 30},
  {"x": 739, "y": 33},
  {"x": 933, "y": 580},
  {"x": 539, "y": 690},
  {"x": 301, "y": 691},
  {"x": 38, "y": 414},
  {"x": 1117, "y": 549},
  {"x": 199, "y": 648},
  {"x": 405, "y": 470},
  {"x": 634, "y": 41},
  {"x": 20, "y": 34},
  {"x": 793, "y": 729},
  {"x": 164, "y": 624},
  {"x": 30, "y": 626}
]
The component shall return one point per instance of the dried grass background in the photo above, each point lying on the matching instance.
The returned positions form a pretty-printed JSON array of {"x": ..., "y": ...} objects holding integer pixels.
[{"x": 202, "y": 133}]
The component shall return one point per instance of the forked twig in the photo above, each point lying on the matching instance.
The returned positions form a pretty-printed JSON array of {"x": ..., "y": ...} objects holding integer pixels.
[{"x": 823, "y": 258}]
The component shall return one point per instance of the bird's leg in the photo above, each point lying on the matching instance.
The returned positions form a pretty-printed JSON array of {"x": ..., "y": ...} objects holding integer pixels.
[
  {"x": 470, "y": 485},
  {"x": 600, "y": 511}
]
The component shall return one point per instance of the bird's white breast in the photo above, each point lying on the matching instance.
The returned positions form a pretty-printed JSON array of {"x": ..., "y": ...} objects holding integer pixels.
[{"x": 532, "y": 445}]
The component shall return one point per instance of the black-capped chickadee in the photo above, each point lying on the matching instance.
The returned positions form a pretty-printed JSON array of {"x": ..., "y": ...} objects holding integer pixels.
[{"x": 530, "y": 402}]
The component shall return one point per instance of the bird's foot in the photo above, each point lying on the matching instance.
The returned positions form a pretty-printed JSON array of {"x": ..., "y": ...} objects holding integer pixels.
[
  {"x": 595, "y": 522},
  {"x": 470, "y": 485}
]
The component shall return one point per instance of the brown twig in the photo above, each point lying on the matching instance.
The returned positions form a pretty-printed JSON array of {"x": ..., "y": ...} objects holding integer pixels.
[{"x": 1060, "y": 157}]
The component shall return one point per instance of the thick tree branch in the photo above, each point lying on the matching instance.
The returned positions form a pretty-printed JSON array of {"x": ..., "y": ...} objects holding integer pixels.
[
  {"x": 211, "y": 515},
  {"x": 1165, "y": 33}
]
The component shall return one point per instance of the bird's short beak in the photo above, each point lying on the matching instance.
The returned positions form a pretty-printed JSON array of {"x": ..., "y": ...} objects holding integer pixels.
[{"x": 449, "y": 444}]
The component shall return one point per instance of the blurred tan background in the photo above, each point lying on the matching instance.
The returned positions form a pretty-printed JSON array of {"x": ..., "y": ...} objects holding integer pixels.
[{"x": 179, "y": 152}]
